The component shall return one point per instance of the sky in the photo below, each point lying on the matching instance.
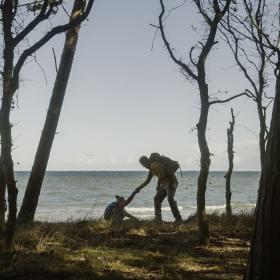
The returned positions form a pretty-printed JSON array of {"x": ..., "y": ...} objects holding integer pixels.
[{"x": 126, "y": 98}]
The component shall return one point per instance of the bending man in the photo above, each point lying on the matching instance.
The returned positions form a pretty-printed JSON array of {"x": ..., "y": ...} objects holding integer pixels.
[{"x": 166, "y": 186}]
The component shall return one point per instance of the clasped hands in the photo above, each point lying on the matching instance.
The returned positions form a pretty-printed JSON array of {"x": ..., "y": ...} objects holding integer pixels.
[{"x": 137, "y": 190}]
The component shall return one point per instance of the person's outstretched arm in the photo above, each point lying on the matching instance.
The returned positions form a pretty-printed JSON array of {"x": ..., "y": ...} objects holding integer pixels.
[
  {"x": 146, "y": 182},
  {"x": 130, "y": 198}
]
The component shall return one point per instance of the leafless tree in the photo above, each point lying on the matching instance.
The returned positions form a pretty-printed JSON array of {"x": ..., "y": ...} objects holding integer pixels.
[
  {"x": 230, "y": 152},
  {"x": 34, "y": 185},
  {"x": 212, "y": 13},
  {"x": 247, "y": 44},
  {"x": 17, "y": 25},
  {"x": 265, "y": 244}
]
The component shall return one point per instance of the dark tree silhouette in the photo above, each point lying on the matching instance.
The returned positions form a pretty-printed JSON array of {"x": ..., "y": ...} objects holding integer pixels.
[
  {"x": 212, "y": 13},
  {"x": 247, "y": 44},
  {"x": 230, "y": 161},
  {"x": 14, "y": 33},
  {"x": 265, "y": 244},
  {"x": 34, "y": 185}
]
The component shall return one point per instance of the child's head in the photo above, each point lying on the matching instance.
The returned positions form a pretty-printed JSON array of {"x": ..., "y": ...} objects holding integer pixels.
[{"x": 120, "y": 200}]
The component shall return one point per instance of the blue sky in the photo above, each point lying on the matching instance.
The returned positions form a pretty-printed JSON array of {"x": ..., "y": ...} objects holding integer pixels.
[{"x": 124, "y": 100}]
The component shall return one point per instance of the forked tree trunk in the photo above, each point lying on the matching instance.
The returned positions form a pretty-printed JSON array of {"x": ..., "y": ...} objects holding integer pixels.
[
  {"x": 230, "y": 161},
  {"x": 204, "y": 166},
  {"x": 212, "y": 21},
  {"x": 35, "y": 181},
  {"x": 263, "y": 261}
]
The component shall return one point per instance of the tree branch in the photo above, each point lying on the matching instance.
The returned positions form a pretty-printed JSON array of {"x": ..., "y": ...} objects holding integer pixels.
[
  {"x": 204, "y": 14},
  {"x": 170, "y": 51},
  {"x": 40, "y": 17},
  {"x": 249, "y": 9},
  {"x": 191, "y": 58},
  {"x": 211, "y": 37},
  {"x": 56, "y": 30},
  {"x": 229, "y": 99}
]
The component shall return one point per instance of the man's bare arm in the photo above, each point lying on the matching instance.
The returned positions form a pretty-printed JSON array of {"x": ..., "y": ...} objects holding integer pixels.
[
  {"x": 146, "y": 182},
  {"x": 130, "y": 198}
]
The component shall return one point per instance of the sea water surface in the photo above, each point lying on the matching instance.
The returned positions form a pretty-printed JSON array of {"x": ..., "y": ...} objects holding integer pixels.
[{"x": 68, "y": 195}]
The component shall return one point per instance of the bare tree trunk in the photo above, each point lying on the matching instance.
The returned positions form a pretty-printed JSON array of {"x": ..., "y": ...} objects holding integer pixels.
[
  {"x": 265, "y": 245},
  {"x": 204, "y": 166},
  {"x": 262, "y": 134},
  {"x": 230, "y": 161},
  {"x": 8, "y": 169},
  {"x": 35, "y": 181},
  {"x": 5, "y": 125},
  {"x": 199, "y": 76}
]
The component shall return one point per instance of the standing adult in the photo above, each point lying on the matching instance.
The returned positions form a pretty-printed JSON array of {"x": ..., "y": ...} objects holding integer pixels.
[{"x": 166, "y": 185}]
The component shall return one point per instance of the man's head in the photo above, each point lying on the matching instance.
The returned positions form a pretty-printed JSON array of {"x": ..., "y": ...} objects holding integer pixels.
[{"x": 144, "y": 161}]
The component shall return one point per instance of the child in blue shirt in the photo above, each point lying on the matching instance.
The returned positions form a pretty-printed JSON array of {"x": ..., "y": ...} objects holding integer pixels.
[{"x": 115, "y": 211}]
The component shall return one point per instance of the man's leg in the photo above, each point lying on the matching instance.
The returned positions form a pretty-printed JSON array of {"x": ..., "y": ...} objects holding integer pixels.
[
  {"x": 159, "y": 197},
  {"x": 172, "y": 203}
]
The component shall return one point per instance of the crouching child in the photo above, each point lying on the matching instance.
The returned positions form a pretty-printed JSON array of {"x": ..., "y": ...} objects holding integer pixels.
[{"x": 115, "y": 212}]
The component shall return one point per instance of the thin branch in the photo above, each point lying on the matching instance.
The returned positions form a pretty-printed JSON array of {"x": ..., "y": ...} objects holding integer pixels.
[
  {"x": 211, "y": 37},
  {"x": 235, "y": 49},
  {"x": 170, "y": 51},
  {"x": 56, "y": 30},
  {"x": 229, "y": 99},
  {"x": 191, "y": 58},
  {"x": 202, "y": 12},
  {"x": 175, "y": 8},
  {"x": 155, "y": 35},
  {"x": 55, "y": 61},
  {"x": 249, "y": 130},
  {"x": 169, "y": 13},
  {"x": 248, "y": 8},
  {"x": 66, "y": 12},
  {"x": 42, "y": 69},
  {"x": 43, "y": 15}
]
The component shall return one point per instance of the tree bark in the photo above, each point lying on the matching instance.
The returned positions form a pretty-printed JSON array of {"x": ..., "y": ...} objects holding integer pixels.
[
  {"x": 265, "y": 244},
  {"x": 5, "y": 125},
  {"x": 7, "y": 164},
  {"x": 230, "y": 161},
  {"x": 204, "y": 165},
  {"x": 262, "y": 133},
  {"x": 35, "y": 181},
  {"x": 200, "y": 77}
]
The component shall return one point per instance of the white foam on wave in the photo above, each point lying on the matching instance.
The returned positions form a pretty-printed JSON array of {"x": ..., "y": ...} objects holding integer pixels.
[
  {"x": 148, "y": 209},
  {"x": 215, "y": 207},
  {"x": 72, "y": 213},
  {"x": 249, "y": 205}
]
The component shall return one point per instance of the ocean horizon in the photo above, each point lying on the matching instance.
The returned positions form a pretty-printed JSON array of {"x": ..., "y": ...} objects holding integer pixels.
[{"x": 75, "y": 195}]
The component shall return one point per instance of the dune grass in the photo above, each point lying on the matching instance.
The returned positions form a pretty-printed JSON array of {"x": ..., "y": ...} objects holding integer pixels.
[{"x": 141, "y": 250}]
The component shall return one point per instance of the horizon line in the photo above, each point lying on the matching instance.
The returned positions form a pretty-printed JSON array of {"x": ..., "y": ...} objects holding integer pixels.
[{"x": 135, "y": 171}]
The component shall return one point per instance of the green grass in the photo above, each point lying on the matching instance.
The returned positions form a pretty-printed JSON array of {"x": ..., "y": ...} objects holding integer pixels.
[{"x": 142, "y": 250}]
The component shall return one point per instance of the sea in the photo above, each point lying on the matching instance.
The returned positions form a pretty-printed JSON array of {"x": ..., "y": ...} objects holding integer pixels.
[{"x": 78, "y": 195}]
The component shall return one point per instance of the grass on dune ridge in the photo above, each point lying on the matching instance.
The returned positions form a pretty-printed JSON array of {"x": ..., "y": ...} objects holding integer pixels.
[{"x": 132, "y": 250}]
